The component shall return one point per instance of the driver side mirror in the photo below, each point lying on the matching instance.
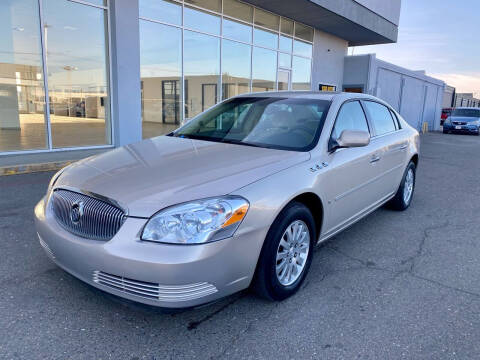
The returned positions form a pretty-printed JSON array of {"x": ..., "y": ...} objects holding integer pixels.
[{"x": 350, "y": 138}]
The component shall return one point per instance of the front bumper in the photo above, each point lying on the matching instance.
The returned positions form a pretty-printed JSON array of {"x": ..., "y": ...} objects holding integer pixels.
[
  {"x": 170, "y": 276},
  {"x": 464, "y": 129}
]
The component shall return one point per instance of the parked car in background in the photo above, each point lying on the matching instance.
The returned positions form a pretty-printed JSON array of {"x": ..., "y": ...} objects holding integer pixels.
[
  {"x": 463, "y": 120},
  {"x": 238, "y": 196},
  {"x": 445, "y": 114}
]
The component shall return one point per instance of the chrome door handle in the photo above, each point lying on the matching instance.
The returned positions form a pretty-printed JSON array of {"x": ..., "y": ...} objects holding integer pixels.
[
  {"x": 374, "y": 159},
  {"x": 403, "y": 147}
]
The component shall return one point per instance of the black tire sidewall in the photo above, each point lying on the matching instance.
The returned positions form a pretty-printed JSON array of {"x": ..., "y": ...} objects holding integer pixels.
[{"x": 267, "y": 265}]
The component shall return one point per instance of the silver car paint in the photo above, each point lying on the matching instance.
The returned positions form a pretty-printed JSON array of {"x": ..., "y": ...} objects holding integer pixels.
[{"x": 156, "y": 173}]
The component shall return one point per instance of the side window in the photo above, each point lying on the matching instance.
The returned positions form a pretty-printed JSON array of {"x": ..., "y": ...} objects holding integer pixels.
[
  {"x": 381, "y": 117},
  {"x": 350, "y": 117}
]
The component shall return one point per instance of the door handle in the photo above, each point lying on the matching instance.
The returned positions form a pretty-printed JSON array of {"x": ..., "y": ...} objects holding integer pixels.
[
  {"x": 403, "y": 147},
  {"x": 374, "y": 159}
]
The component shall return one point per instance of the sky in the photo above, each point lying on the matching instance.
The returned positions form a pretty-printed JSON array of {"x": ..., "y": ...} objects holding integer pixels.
[{"x": 441, "y": 37}]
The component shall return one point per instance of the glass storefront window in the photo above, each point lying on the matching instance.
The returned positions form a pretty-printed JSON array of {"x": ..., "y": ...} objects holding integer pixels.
[
  {"x": 76, "y": 45},
  {"x": 161, "y": 74},
  {"x": 265, "y": 38},
  {"x": 22, "y": 95},
  {"x": 201, "y": 21},
  {"x": 264, "y": 70},
  {"x": 201, "y": 64},
  {"x": 237, "y": 31},
  {"x": 286, "y": 26},
  {"x": 285, "y": 43},
  {"x": 302, "y": 48},
  {"x": 266, "y": 19},
  {"x": 284, "y": 60},
  {"x": 161, "y": 10},
  {"x": 303, "y": 32},
  {"x": 214, "y": 5},
  {"x": 235, "y": 68},
  {"x": 238, "y": 10},
  {"x": 301, "y": 71}
]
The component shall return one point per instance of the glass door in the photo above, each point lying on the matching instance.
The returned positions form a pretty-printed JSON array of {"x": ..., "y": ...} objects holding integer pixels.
[{"x": 283, "y": 79}]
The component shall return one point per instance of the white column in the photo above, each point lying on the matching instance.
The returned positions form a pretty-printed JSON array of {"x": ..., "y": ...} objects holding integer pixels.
[{"x": 125, "y": 62}]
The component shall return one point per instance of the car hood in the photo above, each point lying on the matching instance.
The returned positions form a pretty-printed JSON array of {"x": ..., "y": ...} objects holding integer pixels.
[{"x": 150, "y": 175}]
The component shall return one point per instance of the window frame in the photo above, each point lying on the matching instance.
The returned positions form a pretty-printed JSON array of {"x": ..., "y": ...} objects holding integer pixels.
[
  {"x": 331, "y": 141},
  {"x": 373, "y": 133}
]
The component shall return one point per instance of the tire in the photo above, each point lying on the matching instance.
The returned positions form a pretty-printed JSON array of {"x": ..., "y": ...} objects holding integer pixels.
[
  {"x": 266, "y": 282},
  {"x": 401, "y": 202}
]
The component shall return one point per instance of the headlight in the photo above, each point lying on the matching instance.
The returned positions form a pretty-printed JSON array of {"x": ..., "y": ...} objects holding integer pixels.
[{"x": 197, "y": 222}]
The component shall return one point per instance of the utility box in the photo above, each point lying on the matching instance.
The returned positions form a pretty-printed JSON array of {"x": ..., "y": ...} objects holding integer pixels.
[{"x": 416, "y": 96}]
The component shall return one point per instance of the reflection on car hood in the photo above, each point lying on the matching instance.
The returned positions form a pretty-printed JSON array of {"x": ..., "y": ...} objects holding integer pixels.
[{"x": 156, "y": 173}]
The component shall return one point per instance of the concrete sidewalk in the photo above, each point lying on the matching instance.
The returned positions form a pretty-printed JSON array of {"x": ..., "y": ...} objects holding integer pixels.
[{"x": 43, "y": 161}]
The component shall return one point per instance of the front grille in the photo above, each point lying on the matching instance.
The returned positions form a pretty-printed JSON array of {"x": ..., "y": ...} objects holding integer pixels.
[
  {"x": 459, "y": 123},
  {"x": 154, "y": 291},
  {"x": 86, "y": 216}
]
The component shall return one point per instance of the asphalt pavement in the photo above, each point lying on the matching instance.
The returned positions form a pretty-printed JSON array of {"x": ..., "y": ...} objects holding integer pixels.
[{"x": 396, "y": 285}]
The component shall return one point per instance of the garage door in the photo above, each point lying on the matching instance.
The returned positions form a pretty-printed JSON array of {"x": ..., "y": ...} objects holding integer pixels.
[
  {"x": 412, "y": 101},
  {"x": 388, "y": 87}
]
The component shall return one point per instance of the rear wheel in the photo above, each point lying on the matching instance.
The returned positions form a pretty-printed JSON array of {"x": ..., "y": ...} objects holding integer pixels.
[
  {"x": 404, "y": 195},
  {"x": 286, "y": 254}
]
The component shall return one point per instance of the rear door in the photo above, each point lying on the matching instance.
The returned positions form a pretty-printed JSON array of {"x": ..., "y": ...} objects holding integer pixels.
[
  {"x": 350, "y": 179},
  {"x": 390, "y": 146}
]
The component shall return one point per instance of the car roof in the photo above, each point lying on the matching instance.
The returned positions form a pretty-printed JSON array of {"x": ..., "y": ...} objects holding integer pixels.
[{"x": 324, "y": 95}]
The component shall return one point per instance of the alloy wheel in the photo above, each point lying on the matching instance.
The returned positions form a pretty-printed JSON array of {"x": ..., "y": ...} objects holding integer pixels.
[{"x": 292, "y": 252}]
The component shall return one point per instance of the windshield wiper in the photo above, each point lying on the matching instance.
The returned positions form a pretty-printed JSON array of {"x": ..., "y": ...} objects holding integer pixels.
[
  {"x": 239, "y": 142},
  {"x": 214, "y": 139}
]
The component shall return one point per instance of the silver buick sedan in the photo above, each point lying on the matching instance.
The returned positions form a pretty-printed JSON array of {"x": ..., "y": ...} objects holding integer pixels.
[{"x": 237, "y": 197}]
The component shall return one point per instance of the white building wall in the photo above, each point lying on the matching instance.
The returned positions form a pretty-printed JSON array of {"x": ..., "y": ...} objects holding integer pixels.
[
  {"x": 328, "y": 56},
  {"x": 417, "y": 97}
]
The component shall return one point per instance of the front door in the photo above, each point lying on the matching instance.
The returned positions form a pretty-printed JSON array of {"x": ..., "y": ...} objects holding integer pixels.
[
  {"x": 283, "y": 79},
  {"x": 349, "y": 183}
]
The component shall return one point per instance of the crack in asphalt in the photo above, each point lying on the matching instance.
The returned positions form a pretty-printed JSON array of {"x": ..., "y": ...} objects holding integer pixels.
[
  {"x": 421, "y": 245},
  {"x": 247, "y": 328},
  {"x": 192, "y": 325},
  {"x": 366, "y": 264}
]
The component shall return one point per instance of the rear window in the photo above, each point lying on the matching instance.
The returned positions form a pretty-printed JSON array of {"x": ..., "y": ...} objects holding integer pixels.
[{"x": 381, "y": 118}]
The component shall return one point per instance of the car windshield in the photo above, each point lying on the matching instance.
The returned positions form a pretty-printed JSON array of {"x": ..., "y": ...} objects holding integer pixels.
[
  {"x": 271, "y": 122},
  {"x": 473, "y": 113}
]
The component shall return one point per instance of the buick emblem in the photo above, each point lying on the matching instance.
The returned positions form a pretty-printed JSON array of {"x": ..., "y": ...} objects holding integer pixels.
[{"x": 76, "y": 211}]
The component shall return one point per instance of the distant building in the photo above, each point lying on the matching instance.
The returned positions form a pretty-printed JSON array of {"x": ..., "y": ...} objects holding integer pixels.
[
  {"x": 449, "y": 97},
  {"x": 416, "y": 96},
  {"x": 466, "y": 100}
]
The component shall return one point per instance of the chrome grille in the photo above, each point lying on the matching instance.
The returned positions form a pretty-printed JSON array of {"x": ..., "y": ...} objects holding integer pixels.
[
  {"x": 459, "y": 123},
  {"x": 171, "y": 293},
  {"x": 99, "y": 220}
]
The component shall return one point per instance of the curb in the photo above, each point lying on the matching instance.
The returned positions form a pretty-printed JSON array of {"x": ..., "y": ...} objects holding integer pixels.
[{"x": 32, "y": 168}]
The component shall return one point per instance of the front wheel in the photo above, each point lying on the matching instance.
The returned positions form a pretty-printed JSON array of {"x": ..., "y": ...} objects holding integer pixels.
[
  {"x": 286, "y": 254},
  {"x": 404, "y": 195}
]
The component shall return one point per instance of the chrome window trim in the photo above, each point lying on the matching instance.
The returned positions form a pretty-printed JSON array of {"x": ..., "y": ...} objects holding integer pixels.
[
  {"x": 369, "y": 120},
  {"x": 369, "y": 126}
]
